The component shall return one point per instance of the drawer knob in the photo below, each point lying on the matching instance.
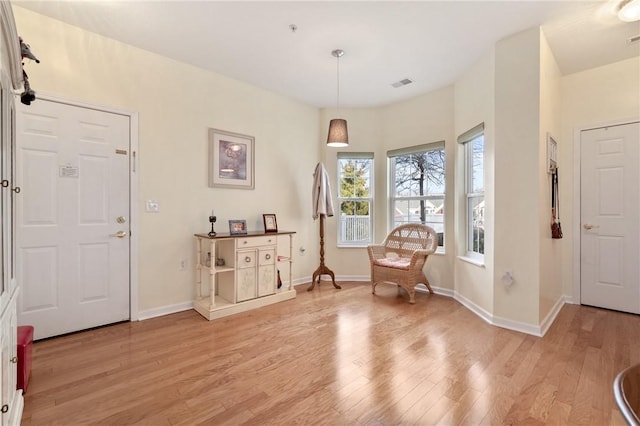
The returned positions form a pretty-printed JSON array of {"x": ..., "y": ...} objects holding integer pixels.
[
  {"x": 268, "y": 256},
  {"x": 247, "y": 259},
  {"x": 4, "y": 409},
  {"x": 14, "y": 360},
  {"x": 245, "y": 242}
]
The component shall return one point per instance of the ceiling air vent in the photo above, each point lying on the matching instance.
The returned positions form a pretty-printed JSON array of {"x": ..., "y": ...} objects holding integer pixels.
[{"x": 402, "y": 82}]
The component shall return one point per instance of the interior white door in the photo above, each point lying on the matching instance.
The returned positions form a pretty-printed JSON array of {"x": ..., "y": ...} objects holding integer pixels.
[
  {"x": 610, "y": 223},
  {"x": 73, "y": 217}
]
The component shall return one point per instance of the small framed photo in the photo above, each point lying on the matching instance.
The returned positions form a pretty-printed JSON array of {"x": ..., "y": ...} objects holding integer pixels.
[
  {"x": 270, "y": 224},
  {"x": 231, "y": 160},
  {"x": 237, "y": 227},
  {"x": 552, "y": 154}
]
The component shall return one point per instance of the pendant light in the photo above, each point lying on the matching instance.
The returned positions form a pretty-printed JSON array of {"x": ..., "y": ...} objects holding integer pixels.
[{"x": 338, "y": 135}]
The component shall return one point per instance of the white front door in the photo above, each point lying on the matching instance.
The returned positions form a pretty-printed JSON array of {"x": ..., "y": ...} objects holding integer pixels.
[
  {"x": 73, "y": 217},
  {"x": 610, "y": 223}
]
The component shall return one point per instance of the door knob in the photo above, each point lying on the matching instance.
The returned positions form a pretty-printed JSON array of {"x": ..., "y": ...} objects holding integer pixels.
[
  {"x": 589, "y": 226},
  {"x": 119, "y": 234}
]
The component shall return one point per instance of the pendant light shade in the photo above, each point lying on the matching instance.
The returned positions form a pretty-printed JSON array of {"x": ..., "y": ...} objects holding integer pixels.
[{"x": 338, "y": 134}]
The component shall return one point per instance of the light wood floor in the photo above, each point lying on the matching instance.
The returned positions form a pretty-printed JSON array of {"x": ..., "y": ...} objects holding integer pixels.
[{"x": 336, "y": 357}]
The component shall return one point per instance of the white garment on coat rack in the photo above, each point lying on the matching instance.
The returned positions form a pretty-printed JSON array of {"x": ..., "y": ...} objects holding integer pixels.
[{"x": 322, "y": 201}]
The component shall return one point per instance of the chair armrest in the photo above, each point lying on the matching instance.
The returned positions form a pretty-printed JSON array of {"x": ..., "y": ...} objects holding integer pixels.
[
  {"x": 376, "y": 251},
  {"x": 418, "y": 254}
]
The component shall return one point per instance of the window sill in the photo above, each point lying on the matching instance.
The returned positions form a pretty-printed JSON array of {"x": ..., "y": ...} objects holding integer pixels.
[{"x": 471, "y": 260}]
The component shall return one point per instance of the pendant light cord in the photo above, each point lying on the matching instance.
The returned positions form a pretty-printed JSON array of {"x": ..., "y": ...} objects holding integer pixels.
[{"x": 338, "y": 86}]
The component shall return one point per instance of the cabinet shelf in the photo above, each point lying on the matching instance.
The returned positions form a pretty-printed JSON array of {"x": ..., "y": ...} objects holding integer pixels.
[{"x": 219, "y": 270}]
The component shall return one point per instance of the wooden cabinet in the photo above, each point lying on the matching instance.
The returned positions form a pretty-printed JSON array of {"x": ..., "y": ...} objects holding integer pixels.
[
  {"x": 10, "y": 79},
  {"x": 235, "y": 273}
]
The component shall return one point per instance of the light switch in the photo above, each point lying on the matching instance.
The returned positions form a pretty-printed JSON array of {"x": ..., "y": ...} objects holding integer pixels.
[{"x": 152, "y": 206}]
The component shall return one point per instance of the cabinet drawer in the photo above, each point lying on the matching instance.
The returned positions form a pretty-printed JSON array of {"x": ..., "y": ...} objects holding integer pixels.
[
  {"x": 246, "y": 259},
  {"x": 266, "y": 256},
  {"x": 266, "y": 240}
]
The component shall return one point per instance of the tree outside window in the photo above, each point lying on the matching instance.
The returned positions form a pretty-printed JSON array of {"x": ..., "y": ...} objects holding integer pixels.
[
  {"x": 418, "y": 187},
  {"x": 355, "y": 198}
]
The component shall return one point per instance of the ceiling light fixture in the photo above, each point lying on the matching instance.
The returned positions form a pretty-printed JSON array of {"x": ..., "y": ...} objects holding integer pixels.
[
  {"x": 338, "y": 135},
  {"x": 629, "y": 10}
]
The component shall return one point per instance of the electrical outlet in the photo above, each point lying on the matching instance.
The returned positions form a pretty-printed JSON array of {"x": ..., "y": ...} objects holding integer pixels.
[
  {"x": 508, "y": 278},
  {"x": 183, "y": 265}
]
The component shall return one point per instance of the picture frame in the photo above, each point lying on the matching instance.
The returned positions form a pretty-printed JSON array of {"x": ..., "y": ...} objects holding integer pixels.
[
  {"x": 552, "y": 153},
  {"x": 231, "y": 160},
  {"x": 270, "y": 223},
  {"x": 238, "y": 227}
]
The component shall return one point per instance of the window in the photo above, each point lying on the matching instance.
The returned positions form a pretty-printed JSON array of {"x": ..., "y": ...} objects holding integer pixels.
[
  {"x": 417, "y": 186},
  {"x": 355, "y": 198},
  {"x": 473, "y": 141}
]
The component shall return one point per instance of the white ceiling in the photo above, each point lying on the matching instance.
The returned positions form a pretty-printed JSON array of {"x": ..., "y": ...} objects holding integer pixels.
[{"x": 430, "y": 42}]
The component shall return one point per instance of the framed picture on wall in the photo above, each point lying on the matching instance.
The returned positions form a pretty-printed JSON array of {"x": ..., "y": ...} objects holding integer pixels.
[
  {"x": 231, "y": 160},
  {"x": 270, "y": 224}
]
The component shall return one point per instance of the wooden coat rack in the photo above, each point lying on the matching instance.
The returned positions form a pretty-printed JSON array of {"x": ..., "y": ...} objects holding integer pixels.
[{"x": 322, "y": 269}]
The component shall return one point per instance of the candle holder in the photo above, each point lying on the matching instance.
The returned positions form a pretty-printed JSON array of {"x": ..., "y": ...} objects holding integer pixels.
[{"x": 212, "y": 219}]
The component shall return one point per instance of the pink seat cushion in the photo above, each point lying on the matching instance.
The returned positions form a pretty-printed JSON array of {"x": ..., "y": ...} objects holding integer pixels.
[{"x": 393, "y": 262}]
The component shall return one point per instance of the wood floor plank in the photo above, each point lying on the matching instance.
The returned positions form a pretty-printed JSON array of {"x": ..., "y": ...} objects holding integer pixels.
[{"x": 335, "y": 357}]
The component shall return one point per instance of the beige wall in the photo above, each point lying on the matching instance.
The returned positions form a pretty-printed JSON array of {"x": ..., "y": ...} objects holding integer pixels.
[
  {"x": 590, "y": 98},
  {"x": 423, "y": 119},
  {"x": 517, "y": 212},
  {"x": 365, "y": 129},
  {"x": 515, "y": 89},
  {"x": 550, "y": 122},
  {"x": 176, "y": 104},
  {"x": 475, "y": 104}
]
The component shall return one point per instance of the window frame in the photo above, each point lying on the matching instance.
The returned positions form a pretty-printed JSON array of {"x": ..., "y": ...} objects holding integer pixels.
[
  {"x": 471, "y": 195},
  {"x": 369, "y": 156},
  {"x": 392, "y": 155}
]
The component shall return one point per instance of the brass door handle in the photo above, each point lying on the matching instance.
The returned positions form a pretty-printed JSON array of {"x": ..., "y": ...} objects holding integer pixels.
[
  {"x": 119, "y": 234},
  {"x": 589, "y": 226}
]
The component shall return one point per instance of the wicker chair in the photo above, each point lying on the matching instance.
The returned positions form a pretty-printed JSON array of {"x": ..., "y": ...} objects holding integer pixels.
[{"x": 401, "y": 257}]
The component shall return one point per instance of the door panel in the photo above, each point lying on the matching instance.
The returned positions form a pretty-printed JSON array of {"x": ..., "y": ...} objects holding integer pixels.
[
  {"x": 610, "y": 230},
  {"x": 73, "y": 255}
]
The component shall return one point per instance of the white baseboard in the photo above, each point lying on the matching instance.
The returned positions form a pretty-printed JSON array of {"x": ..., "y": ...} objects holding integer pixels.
[
  {"x": 522, "y": 327},
  {"x": 437, "y": 290},
  {"x": 164, "y": 310},
  {"x": 479, "y": 311},
  {"x": 535, "y": 330},
  {"x": 553, "y": 313}
]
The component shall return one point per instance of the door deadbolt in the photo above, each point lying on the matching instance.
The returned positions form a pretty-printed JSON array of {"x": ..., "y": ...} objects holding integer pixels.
[{"x": 121, "y": 219}]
